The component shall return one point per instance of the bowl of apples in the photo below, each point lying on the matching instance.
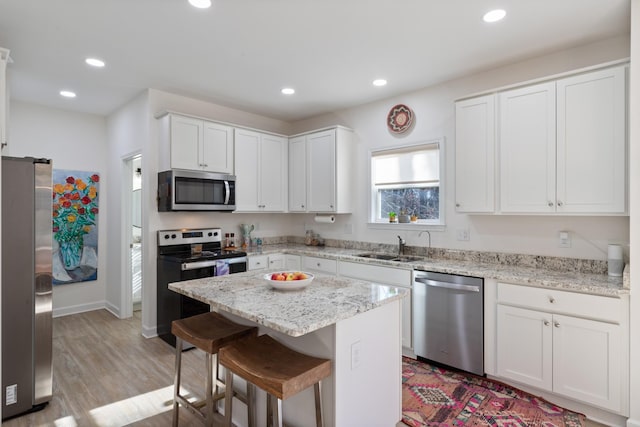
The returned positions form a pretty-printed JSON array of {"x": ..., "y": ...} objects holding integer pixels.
[{"x": 288, "y": 281}]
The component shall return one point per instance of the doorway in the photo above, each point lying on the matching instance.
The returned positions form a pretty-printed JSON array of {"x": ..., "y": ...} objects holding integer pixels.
[
  {"x": 136, "y": 233},
  {"x": 132, "y": 232}
]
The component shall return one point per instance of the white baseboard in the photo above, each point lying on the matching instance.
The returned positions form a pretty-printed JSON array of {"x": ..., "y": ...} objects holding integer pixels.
[
  {"x": 633, "y": 423},
  {"x": 80, "y": 308},
  {"x": 112, "y": 309},
  {"x": 148, "y": 332}
]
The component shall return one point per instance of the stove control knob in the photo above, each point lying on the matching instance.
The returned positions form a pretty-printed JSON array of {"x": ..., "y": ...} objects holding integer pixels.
[
  {"x": 211, "y": 234},
  {"x": 173, "y": 236},
  {"x": 166, "y": 236}
]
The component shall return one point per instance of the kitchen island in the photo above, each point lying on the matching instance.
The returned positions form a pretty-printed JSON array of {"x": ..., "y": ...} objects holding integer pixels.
[{"x": 354, "y": 323}]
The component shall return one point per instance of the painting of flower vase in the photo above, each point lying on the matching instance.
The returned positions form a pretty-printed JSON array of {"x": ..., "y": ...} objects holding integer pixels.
[{"x": 75, "y": 226}]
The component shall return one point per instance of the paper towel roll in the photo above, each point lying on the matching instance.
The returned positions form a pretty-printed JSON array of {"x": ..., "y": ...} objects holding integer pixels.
[
  {"x": 327, "y": 219},
  {"x": 615, "y": 261}
]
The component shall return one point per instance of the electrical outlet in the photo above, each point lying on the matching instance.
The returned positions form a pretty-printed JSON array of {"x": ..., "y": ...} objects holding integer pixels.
[
  {"x": 462, "y": 234},
  {"x": 565, "y": 239},
  {"x": 356, "y": 350}
]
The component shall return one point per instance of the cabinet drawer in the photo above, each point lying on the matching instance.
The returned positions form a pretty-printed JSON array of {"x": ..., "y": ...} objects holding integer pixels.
[
  {"x": 554, "y": 301},
  {"x": 320, "y": 264},
  {"x": 257, "y": 262},
  {"x": 376, "y": 274}
]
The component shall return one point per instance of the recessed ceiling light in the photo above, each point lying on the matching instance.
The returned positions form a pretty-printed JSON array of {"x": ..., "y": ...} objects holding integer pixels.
[
  {"x": 288, "y": 91},
  {"x": 95, "y": 62},
  {"x": 494, "y": 15},
  {"x": 379, "y": 82},
  {"x": 200, "y": 4},
  {"x": 68, "y": 94}
]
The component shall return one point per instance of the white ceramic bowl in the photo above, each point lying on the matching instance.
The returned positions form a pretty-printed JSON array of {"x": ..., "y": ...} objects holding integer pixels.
[{"x": 288, "y": 285}]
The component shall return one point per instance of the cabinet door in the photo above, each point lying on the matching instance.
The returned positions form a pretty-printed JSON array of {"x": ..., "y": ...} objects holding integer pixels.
[
  {"x": 186, "y": 138},
  {"x": 292, "y": 262},
  {"x": 272, "y": 171},
  {"x": 297, "y": 174},
  {"x": 259, "y": 262},
  {"x": 247, "y": 145},
  {"x": 475, "y": 154},
  {"x": 524, "y": 346},
  {"x": 217, "y": 148},
  {"x": 276, "y": 262},
  {"x": 4, "y": 99},
  {"x": 591, "y": 142},
  {"x": 587, "y": 361},
  {"x": 528, "y": 149},
  {"x": 321, "y": 168}
]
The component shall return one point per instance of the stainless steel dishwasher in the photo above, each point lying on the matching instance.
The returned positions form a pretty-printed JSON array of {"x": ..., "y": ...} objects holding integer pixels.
[{"x": 448, "y": 320}]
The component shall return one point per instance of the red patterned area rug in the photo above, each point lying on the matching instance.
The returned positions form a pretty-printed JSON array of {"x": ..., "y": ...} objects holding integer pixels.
[{"x": 432, "y": 396}]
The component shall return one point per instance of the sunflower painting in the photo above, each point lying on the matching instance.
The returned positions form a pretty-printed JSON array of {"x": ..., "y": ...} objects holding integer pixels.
[{"x": 75, "y": 226}]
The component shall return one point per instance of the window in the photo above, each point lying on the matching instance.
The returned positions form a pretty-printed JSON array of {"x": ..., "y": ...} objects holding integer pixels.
[{"x": 407, "y": 181}]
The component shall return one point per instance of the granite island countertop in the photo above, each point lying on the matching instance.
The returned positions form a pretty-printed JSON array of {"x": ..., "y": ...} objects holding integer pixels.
[
  {"x": 573, "y": 281},
  {"x": 326, "y": 301}
]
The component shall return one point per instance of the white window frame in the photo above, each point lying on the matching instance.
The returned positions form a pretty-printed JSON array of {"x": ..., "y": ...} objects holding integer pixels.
[{"x": 374, "y": 222}]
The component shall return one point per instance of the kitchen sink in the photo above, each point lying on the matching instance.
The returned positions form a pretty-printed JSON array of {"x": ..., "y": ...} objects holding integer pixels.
[
  {"x": 408, "y": 258},
  {"x": 389, "y": 257},
  {"x": 377, "y": 256}
]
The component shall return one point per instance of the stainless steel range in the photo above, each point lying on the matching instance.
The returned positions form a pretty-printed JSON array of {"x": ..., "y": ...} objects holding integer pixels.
[{"x": 185, "y": 255}]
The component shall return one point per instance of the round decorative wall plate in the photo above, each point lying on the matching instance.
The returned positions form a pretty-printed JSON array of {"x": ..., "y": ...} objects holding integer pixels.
[{"x": 400, "y": 118}]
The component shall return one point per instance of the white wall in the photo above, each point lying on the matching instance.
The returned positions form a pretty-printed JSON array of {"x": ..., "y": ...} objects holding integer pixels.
[
  {"x": 634, "y": 194},
  {"x": 434, "y": 118},
  {"x": 73, "y": 141}
]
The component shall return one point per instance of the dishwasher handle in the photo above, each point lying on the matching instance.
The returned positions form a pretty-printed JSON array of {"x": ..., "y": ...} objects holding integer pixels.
[{"x": 446, "y": 285}]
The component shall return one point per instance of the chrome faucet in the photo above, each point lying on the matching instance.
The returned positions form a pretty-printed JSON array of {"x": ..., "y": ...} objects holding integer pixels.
[
  {"x": 429, "y": 234},
  {"x": 401, "y": 244}
]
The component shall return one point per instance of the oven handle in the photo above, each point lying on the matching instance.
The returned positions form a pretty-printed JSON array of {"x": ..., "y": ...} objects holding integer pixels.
[
  {"x": 211, "y": 263},
  {"x": 447, "y": 285},
  {"x": 227, "y": 192},
  {"x": 198, "y": 264}
]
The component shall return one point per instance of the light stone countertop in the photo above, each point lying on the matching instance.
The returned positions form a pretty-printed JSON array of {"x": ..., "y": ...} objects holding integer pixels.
[
  {"x": 326, "y": 301},
  {"x": 573, "y": 281}
]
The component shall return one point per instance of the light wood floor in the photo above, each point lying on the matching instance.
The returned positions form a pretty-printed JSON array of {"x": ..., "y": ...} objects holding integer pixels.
[{"x": 105, "y": 374}]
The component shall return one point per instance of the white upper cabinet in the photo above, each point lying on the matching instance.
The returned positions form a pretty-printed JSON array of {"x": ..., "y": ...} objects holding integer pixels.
[
  {"x": 298, "y": 174},
  {"x": 561, "y": 148},
  {"x": 528, "y": 149},
  {"x": 4, "y": 99},
  {"x": 475, "y": 154},
  {"x": 197, "y": 144},
  {"x": 592, "y": 142},
  {"x": 261, "y": 172},
  {"x": 321, "y": 171}
]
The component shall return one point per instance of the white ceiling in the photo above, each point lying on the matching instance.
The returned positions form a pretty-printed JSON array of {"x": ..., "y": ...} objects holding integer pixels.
[{"x": 240, "y": 53}]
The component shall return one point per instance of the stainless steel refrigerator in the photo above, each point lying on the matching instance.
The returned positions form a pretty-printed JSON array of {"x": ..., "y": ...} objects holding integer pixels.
[{"x": 27, "y": 370}]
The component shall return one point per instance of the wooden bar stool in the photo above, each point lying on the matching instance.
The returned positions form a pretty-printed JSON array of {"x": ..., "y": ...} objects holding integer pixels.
[
  {"x": 278, "y": 370},
  {"x": 209, "y": 332}
]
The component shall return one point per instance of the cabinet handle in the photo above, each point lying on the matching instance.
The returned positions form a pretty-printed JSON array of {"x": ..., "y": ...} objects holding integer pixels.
[
  {"x": 556, "y": 324},
  {"x": 546, "y": 323},
  {"x": 552, "y": 300},
  {"x": 318, "y": 264},
  {"x": 258, "y": 263},
  {"x": 559, "y": 202},
  {"x": 331, "y": 206},
  {"x": 457, "y": 205},
  {"x": 550, "y": 204},
  {"x": 302, "y": 206}
]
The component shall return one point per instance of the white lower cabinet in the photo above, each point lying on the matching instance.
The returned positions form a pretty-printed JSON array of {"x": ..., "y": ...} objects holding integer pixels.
[
  {"x": 385, "y": 276},
  {"x": 566, "y": 343},
  {"x": 321, "y": 265},
  {"x": 274, "y": 262}
]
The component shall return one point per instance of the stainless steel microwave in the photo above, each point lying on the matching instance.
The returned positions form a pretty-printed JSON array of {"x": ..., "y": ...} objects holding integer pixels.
[{"x": 183, "y": 190}]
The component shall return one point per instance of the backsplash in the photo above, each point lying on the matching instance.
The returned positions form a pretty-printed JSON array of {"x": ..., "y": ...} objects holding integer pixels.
[{"x": 521, "y": 260}]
